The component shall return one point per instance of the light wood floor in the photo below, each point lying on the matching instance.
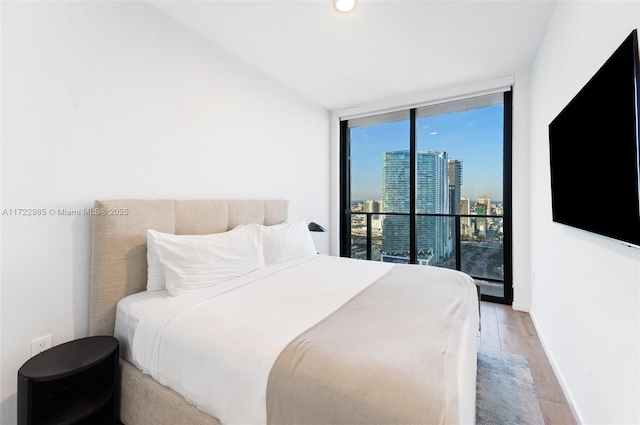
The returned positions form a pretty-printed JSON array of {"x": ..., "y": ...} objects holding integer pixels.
[{"x": 509, "y": 330}]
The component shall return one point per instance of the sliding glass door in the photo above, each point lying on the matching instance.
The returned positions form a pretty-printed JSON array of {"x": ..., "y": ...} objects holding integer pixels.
[{"x": 431, "y": 186}]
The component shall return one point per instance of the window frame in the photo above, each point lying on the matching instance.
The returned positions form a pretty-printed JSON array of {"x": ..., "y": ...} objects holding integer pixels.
[{"x": 345, "y": 194}]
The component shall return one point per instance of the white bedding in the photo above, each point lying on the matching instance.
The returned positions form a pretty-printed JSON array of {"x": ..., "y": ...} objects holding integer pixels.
[
  {"x": 129, "y": 311},
  {"x": 235, "y": 330}
]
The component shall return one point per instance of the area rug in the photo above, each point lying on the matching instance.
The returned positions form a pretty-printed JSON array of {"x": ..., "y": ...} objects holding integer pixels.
[{"x": 505, "y": 393}]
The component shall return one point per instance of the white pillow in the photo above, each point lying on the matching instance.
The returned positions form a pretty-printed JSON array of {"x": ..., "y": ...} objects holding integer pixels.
[
  {"x": 193, "y": 262},
  {"x": 287, "y": 241},
  {"x": 155, "y": 275}
]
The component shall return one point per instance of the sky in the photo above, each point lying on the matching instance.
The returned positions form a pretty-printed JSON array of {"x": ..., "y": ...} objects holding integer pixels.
[{"x": 473, "y": 136}]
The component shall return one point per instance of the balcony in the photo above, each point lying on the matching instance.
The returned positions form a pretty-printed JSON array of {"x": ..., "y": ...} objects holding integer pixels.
[{"x": 469, "y": 243}]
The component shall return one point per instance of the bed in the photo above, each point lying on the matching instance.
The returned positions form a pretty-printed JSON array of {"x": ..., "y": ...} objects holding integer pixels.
[{"x": 308, "y": 339}]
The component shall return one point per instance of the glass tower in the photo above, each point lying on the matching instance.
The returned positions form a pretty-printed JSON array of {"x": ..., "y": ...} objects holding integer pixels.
[{"x": 432, "y": 197}]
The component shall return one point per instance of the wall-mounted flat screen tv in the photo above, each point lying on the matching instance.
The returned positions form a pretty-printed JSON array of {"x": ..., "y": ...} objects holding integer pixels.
[{"x": 595, "y": 159}]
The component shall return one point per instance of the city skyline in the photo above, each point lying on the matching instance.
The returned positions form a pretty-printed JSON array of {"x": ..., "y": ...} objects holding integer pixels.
[{"x": 474, "y": 137}]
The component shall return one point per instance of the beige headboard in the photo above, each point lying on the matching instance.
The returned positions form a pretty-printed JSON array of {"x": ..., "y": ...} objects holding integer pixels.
[{"x": 119, "y": 245}]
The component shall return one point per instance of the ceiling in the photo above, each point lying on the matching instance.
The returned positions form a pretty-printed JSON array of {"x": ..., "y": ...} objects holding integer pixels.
[{"x": 380, "y": 50}]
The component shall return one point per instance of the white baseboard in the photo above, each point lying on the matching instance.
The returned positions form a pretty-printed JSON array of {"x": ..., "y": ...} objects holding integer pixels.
[
  {"x": 518, "y": 307},
  {"x": 557, "y": 372}
]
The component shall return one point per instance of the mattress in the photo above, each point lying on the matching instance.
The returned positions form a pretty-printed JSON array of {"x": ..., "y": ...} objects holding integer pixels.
[
  {"x": 237, "y": 329},
  {"x": 129, "y": 311}
]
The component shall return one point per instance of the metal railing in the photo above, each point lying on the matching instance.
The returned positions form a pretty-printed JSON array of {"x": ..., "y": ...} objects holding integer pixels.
[{"x": 476, "y": 248}]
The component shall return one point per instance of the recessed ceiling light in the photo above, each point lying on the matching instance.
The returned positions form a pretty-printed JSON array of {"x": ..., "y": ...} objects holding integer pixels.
[{"x": 344, "y": 5}]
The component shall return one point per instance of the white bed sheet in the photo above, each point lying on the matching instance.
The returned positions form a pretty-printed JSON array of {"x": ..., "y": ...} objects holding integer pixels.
[
  {"x": 129, "y": 311},
  {"x": 244, "y": 324}
]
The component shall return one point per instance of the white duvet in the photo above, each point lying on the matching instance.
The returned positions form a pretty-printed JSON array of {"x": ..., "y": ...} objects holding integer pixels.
[{"x": 216, "y": 346}]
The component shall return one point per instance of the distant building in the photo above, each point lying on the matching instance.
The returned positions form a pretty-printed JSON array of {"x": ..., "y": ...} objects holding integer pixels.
[
  {"x": 465, "y": 207},
  {"x": 483, "y": 207},
  {"x": 485, "y": 204},
  {"x": 372, "y": 206},
  {"x": 455, "y": 185},
  {"x": 434, "y": 239},
  {"x": 465, "y": 222},
  {"x": 376, "y": 220}
]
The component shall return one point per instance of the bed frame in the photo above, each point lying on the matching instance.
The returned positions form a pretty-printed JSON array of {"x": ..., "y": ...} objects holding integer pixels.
[{"x": 119, "y": 268}]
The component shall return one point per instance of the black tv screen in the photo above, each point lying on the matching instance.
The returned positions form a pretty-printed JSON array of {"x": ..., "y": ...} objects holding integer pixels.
[{"x": 594, "y": 153}]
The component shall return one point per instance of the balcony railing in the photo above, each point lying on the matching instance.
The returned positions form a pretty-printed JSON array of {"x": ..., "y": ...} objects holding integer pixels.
[{"x": 469, "y": 243}]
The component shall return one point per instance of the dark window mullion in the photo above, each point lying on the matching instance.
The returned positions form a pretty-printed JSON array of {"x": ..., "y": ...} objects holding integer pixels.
[
  {"x": 413, "y": 234},
  {"x": 507, "y": 185},
  {"x": 458, "y": 239},
  {"x": 369, "y": 238},
  {"x": 345, "y": 191}
]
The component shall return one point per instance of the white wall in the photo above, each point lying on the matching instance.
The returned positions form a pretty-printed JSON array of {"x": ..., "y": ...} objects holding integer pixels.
[
  {"x": 115, "y": 100},
  {"x": 521, "y": 183},
  {"x": 585, "y": 297}
]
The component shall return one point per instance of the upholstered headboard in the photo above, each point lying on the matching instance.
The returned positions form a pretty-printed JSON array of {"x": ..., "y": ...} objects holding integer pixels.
[{"x": 119, "y": 245}]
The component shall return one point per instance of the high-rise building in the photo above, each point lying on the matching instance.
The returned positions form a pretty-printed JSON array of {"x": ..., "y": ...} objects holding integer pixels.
[
  {"x": 376, "y": 220},
  {"x": 455, "y": 190},
  {"x": 483, "y": 207},
  {"x": 455, "y": 185},
  {"x": 434, "y": 239},
  {"x": 465, "y": 208},
  {"x": 395, "y": 198},
  {"x": 465, "y": 222},
  {"x": 372, "y": 206},
  {"x": 485, "y": 203}
]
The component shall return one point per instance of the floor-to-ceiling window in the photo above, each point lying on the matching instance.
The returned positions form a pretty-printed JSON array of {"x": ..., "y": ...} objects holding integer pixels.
[{"x": 431, "y": 186}]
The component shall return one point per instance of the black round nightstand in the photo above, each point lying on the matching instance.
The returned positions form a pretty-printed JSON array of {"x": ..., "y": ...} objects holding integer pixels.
[{"x": 72, "y": 383}]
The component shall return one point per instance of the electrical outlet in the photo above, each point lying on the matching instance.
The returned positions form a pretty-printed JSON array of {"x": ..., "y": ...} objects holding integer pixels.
[{"x": 40, "y": 344}]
